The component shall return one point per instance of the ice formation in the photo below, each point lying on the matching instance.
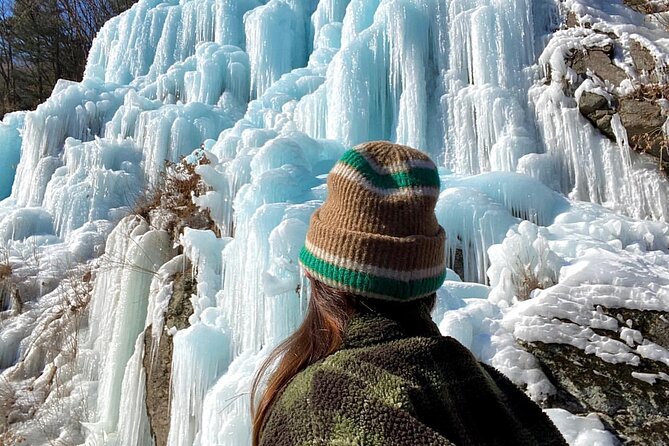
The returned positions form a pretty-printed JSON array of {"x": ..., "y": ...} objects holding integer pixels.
[
  {"x": 10, "y": 151},
  {"x": 271, "y": 93}
]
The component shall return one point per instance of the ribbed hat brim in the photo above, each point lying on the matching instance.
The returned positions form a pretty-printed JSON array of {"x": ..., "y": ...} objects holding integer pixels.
[{"x": 374, "y": 265}]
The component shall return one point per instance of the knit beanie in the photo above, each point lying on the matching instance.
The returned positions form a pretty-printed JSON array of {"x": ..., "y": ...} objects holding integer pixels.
[{"x": 376, "y": 234}]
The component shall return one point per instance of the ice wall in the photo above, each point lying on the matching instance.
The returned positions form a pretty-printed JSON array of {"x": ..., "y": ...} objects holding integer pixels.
[
  {"x": 273, "y": 92},
  {"x": 10, "y": 150}
]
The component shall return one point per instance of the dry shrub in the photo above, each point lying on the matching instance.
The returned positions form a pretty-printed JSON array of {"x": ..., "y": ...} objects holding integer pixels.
[
  {"x": 11, "y": 439},
  {"x": 169, "y": 204},
  {"x": 5, "y": 265},
  {"x": 650, "y": 92},
  {"x": 8, "y": 288},
  {"x": 657, "y": 10},
  {"x": 5, "y": 271},
  {"x": 529, "y": 282},
  {"x": 58, "y": 332},
  {"x": 7, "y": 402},
  {"x": 655, "y": 143}
]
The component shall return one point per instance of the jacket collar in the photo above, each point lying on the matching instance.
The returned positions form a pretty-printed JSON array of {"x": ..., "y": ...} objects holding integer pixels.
[{"x": 364, "y": 330}]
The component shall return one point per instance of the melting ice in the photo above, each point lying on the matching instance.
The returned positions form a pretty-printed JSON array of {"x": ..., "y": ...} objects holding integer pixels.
[{"x": 274, "y": 92}]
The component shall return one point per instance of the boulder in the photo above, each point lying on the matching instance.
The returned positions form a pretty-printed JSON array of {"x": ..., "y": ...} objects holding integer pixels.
[
  {"x": 598, "y": 61},
  {"x": 640, "y": 116},
  {"x": 598, "y": 111},
  {"x": 644, "y": 120},
  {"x": 633, "y": 409},
  {"x": 643, "y": 60},
  {"x": 590, "y": 103}
]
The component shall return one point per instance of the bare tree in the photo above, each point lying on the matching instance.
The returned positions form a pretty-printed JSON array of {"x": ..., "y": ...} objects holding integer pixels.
[{"x": 42, "y": 41}]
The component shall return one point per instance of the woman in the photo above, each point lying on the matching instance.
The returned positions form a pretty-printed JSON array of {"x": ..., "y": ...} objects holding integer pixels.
[{"x": 368, "y": 365}]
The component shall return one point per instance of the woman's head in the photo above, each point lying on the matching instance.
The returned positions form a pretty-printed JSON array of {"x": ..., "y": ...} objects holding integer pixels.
[
  {"x": 376, "y": 235},
  {"x": 374, "y": 246}
]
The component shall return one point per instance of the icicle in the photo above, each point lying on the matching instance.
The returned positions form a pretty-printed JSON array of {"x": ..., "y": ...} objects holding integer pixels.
[
  {"x": 201, "y": 355},
  {"x": 133, "y": 422},
  {"x": 119, "y": 308}
]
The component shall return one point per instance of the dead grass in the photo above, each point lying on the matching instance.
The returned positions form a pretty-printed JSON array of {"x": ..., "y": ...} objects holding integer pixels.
[
  {"x": 8, "y": 284},
  {"x": 656, "y": 144},
  {"x": 169, "y": 205},
  {"x": 5, "y": 271},
  {"x": 7, "y": 405},
  {"x": 528, "y": 283},
  {"x": 59, "y": 335},
  {"x": 11, "y": 439},
  {"x": 5, "y": 265},
  {"x": 650, "y": 92},
  {"x": 659, "y": 11}
]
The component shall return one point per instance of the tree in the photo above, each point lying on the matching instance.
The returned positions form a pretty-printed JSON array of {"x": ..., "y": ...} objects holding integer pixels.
[{"x": 42, "y": 41}]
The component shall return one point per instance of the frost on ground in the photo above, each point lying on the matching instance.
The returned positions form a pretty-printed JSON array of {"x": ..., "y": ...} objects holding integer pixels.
[{"x": 140, "y": 291}]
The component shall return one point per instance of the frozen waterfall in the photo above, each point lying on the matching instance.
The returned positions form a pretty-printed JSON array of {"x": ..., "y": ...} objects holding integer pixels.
[{"x": 272, "y": 93}]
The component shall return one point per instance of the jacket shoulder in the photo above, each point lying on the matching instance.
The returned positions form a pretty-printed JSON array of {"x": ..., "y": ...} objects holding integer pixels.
[{"x": 347, "y": 400}]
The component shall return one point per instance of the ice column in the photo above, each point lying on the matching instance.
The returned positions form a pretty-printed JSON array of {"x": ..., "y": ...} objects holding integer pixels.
[
  {"x": 10, "y": 150},
  {"x": 133, "y": 424},
  {"x": 276, "y": 41},
  {"x": 491, "y": 46},
  {"x": 73, "y": 110},
  {"x": 119, "y": 306},
  {"x": 377, "y": 85}
]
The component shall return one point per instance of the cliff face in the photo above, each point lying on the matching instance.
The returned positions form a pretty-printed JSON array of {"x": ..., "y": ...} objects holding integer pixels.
[
  {"x": 633, "y": 85},
  {"x": 618, "y": 75},
  {"x": 633, "y": 78}
]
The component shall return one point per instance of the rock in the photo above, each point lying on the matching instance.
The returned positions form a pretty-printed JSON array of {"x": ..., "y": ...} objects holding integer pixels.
[
  {"x": 653, "y": 324},
  {"x": 647, "y": 6},
  {"x": 643, "y": 121},
  {"x": 158, "y": 375},
  {"x": 603, "y": 123},
  {"x": 643, "y": 60},
  {"x": 639, "y": 116},
  {"x": 572, "y": 20},
  {"x": 642, "y": 6},
  {"x": 458, "y": 264},
  {"x": 158, "y": 366},
  {"x": 634, "y": 410},
  {"x": 590, "y": 103},
  {"x": 597, "y": 110},
  {"x": 598, "y": 61}
]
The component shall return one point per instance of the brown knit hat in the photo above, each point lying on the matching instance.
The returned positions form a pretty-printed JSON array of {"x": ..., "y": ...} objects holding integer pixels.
[{"x": 376, "y": 235}]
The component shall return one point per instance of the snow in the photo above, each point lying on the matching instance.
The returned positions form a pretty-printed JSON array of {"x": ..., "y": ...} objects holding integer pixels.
[
  {"x": 540, "y": 207},
  {"x": 651, "y": 378},
  {"x": 581, "y": 431}
]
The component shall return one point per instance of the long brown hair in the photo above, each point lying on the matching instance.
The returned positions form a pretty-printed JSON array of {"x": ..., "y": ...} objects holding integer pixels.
[{"x": 320, "y": 334}]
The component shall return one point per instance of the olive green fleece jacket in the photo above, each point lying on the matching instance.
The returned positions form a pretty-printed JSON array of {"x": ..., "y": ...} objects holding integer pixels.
[{"x": 392, "y": 386}]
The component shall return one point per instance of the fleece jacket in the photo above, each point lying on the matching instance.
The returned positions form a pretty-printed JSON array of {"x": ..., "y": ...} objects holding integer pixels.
[{"x": 395, "y": 386}]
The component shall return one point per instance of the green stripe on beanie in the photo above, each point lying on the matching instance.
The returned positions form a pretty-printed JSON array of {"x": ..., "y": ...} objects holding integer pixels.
[
  {"x": 366, "y": 284},
  {"x": 412, "y": 177}
]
